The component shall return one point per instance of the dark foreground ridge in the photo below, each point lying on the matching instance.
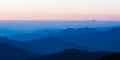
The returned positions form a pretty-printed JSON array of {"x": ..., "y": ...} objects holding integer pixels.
[
  {"x": 115, "y": 56},
  {"x": 73, "y": 54},
  {"x": 13, "y": 53}
]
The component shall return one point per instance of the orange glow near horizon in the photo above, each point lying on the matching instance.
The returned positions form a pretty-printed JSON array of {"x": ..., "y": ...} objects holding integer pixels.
[{"x": 60, "y": 10}]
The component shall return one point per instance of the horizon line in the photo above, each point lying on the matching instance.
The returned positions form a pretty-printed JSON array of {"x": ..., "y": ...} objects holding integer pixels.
[{"x": 92, "y": 20}]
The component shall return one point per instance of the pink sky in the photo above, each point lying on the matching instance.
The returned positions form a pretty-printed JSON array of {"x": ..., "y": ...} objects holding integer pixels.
[{"x": 101, "y": 10}]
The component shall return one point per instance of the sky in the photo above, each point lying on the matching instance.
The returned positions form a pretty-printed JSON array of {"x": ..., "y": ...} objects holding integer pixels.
[{"x": 101, "y": 10}]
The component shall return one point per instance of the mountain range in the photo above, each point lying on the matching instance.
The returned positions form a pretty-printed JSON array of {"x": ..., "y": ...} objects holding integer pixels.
[
  {"x": 105, "y": 40},
  {"x": 68, "y": 44},
  {"x": 52, "y": 45}
]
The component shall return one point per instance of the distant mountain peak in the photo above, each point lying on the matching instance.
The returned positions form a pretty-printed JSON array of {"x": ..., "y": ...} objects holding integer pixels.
[
  {"x": 69, "y": 29},
  {"x": 116, "y": 29},
  {"x": 85, "y": 28},
  {"x": 52, "y": 38},
  {"x": 73, "y": 51},
  {"x": 94, "y": 20}
]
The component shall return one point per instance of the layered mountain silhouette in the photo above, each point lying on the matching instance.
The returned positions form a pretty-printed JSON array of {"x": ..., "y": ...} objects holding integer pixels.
[
  {"x": 27, "y": 36},
  {"x": 105, "y": 40},
  {"x": 73, "y": 54},
  {"x": 8, "y": 52},
  {"x": 115, "y": 56},
  {"x": 72, "y": 43},
  {"x": 51, "y": 32},
  {"x": 53, "y": 44},
  {"x": 92, "y": 41},
  {"x": 37, "y": 34},
  {"x": 18, "y": 44},
  {"x": 71, "y": 31}
]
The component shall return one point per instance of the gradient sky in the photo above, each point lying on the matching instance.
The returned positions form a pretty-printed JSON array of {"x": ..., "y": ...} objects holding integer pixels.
[{"x": 60, "y": 10}]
